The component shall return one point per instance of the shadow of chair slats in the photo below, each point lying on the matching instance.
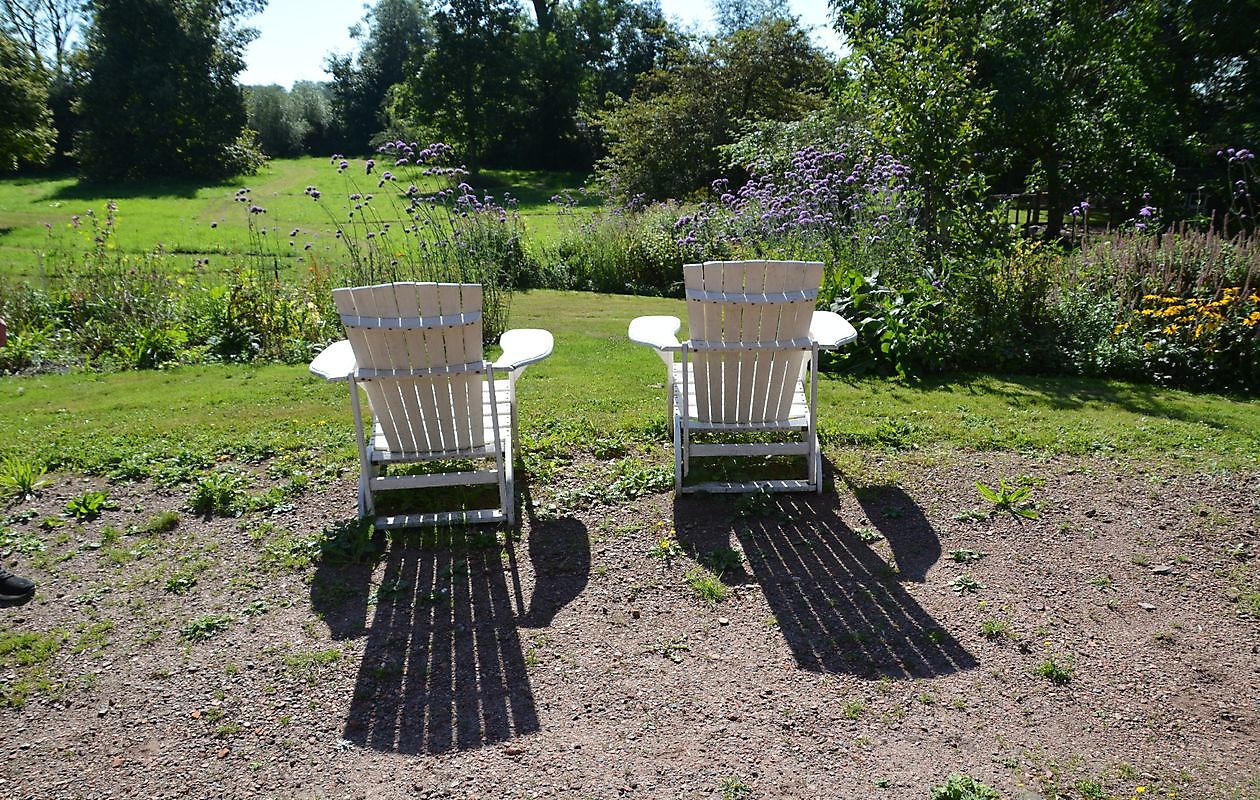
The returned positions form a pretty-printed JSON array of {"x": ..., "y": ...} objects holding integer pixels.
[
  {"x": 839, "y": 606},
  {"x": 443, "y": 668}
]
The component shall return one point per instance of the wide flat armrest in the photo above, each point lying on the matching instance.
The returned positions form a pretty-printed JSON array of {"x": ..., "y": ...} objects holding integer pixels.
[
  {"x": 830, "y": 330},
  {"x": 657, "y": 332},
  {"x": 335, "y": 363},
  {"x": 522, "y": 347}
]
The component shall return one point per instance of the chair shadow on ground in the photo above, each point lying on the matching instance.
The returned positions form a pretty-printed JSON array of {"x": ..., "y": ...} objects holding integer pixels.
[
  {"x": 840, "y": 607},
  {"x": 443, "y": 667}
]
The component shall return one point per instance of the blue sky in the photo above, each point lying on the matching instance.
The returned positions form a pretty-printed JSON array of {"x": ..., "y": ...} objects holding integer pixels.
[{"x": 296, "y": 35}]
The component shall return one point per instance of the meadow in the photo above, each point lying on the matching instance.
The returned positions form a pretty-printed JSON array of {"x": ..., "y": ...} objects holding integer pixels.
[{"x": 197, "y": 220}]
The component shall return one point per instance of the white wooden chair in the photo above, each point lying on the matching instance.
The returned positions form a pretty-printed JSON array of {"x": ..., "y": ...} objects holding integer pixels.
[
  {"x": 754, "y": 337},
  {"x": 415, "y": 348}
]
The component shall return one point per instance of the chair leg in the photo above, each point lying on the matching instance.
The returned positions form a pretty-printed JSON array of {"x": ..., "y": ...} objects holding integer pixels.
[{"x": 678, "y": 455}]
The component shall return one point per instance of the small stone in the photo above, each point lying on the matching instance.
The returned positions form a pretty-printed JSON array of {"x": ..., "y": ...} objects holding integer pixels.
[
  {"x": 634, "y": 612},
  {"x": 116, "y": 762},
  {"x": 224, "y": 753},
  {"x": 723, "y": 621},
  {"x": 1162, "y": 569},
  {"x": 102, "y": 711},
  {"x": 1146, "y": 606},
  {"x": 513, "y": 750}
]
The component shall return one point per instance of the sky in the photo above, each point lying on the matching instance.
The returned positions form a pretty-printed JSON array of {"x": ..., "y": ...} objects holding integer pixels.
[{"x": 295, "y": 36}]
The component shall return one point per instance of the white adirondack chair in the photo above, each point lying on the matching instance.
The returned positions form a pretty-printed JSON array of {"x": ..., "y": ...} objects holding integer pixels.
[
  {"x": 415, "y": 348},
  {"x": 754, "y": 336}
]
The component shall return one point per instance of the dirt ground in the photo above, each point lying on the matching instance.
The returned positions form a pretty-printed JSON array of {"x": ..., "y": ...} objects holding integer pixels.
[{"x": 849, "y": 658}]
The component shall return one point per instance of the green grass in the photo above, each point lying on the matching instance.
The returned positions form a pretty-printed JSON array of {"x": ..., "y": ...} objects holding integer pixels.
[
  {"x": 179, "y": 215},
  {"x": 597, "y": 392}
]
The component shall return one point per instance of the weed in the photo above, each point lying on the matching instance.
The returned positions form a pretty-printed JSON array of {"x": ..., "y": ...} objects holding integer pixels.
[
  {"x": 868, "y": 535},
  {"x": 206, "y": 627},
  {"x": 995, "y": 629},
  {"x": 308, "y": 665},
  {"x": 754, "y": 504},
  {"x": 217, "y": 493},
  {"x": 1090, "y": 790},
  {"x": 733, "y": 788},
  {"x": 893, "y": 512},
  {"x": 161, "y": 522},
  {"x": 89, "y": 505},
  {"x": 854, "y": 709},
  {"x": 20, "y": 479},
  {"x": 964, "y": 556},
  {"x": 180, "y": 583},
  {"x": 962, "y": 787},
  {"x": 673, "y": 650},
  {"x": 1060, "y": 674},
  {"x": 1103, "y": 583},
  {"x": 972, "y": 515},
  {"x": 12, "y": 541},
  {"x": 1013, "y": 499},
  {"x": 255, "y": 608},
  {"x": 724, "y": 560},
  {"x": 666, "y": 548},
  {"x": 965, "y": 584},
  {"x": 705, "y": 585},
  {"x": 27, "y": 655},
  {"x": 93, "y": 637}
]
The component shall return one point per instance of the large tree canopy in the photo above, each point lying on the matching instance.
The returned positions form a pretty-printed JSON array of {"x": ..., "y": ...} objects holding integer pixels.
[
  {"x": 161, "y": 100},
  {"x": 26, "y": 133},
  {"x": 663, "y": 141}
]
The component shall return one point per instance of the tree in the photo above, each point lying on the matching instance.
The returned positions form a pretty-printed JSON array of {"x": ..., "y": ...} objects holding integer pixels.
[
  {"x": 393, "y": 33},
  {"x": 1065, "y": 97},
  {"x": 736, "y": 15},
  {"x": 44, "y": 26},
  {"x": 663, "y": 141},
  {"x": 916, "y": 93},
  {"x": 26, "y": 133},
  {"x": 161, "y": 100},
  {"x": 470, "y": 85},
  {"x": 270, "y": 113}
]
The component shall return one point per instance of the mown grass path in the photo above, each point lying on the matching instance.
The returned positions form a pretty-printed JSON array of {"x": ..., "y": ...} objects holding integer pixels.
[{"x": 35, "y": 213}]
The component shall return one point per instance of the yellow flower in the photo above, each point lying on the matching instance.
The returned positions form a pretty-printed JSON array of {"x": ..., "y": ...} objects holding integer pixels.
[
  {"x": 1123, "y": 326},
  {"x": 1140, "y": 789},
  {"x": 1150, "y": 297},
  {"x": 1252, "y": 319},
  {"x": 1171, "y": 329},
  {"x": 1253, "y": 297}
]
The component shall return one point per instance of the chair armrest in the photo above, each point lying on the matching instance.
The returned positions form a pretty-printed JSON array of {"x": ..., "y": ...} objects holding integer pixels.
[
  {"x": 830, "y": 330},
  {"x": 336, "y": 362},
  {"x": 522, "y": 347},
  {"x": 660, "y": 333}
]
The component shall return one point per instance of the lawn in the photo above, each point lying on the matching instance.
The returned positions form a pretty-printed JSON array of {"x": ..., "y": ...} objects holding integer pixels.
[
  {"x": 208, "y": 606},
  {"x": 198, "y": 220}
]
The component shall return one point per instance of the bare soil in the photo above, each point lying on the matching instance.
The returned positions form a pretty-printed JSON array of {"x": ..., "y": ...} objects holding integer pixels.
[{"x": 846, "y": 660}]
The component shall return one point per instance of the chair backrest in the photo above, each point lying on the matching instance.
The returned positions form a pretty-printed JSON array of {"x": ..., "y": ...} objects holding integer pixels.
[
  {"x": 749, "y": 327},
  {"x": 418, "y": 353}
]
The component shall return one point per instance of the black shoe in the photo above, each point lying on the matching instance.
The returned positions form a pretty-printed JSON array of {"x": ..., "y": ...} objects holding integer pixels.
[{"x": 14, "y": 587}]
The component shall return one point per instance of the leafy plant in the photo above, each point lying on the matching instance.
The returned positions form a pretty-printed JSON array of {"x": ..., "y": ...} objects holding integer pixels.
[
  {"x": 733, "y": 788},
  {"x": 205, "y": 627},
  {"x": 217, "y": 493},
  {"x": 995, "y": 629},
  {"x": 959, "y": 786},
  {"x": 89, "y": 505},
  {"x": 867, "y": 535},
  {"x": 965, "y": 584},
  {"x": 965, "y": 556},
  {"x": 1012, "y": 499},
  {"x": 21, "y": 479},
  {"x": 1060, "y": 674}
]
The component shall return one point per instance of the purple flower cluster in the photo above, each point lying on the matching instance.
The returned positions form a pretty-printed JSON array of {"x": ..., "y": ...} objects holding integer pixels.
[
  {"x": 311, "y": 192},
  {"x": 819, "y": 193},
  {"x": 1235, "y": 156}
]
